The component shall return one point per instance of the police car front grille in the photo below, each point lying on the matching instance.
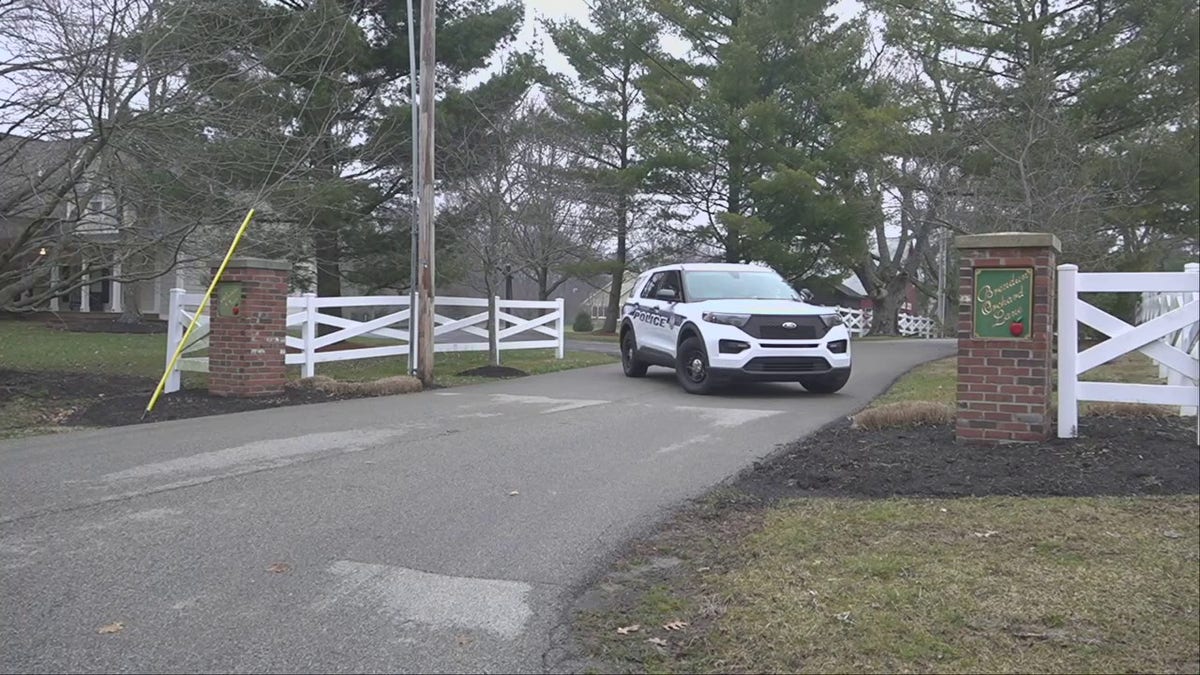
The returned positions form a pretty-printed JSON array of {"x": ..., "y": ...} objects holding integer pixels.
[
  {"x": 771, "y": 327},
  {"x": 787, "y": 364}
]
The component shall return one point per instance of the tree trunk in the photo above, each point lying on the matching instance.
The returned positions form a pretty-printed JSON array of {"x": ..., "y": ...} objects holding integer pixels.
[
  {"x": 329, "y": 277},
  {"x": 885, "y": 314},
  {"x": 543, "y": 281},
  {"x": 131, "y": 305},
  {"x": 618, "y": 278}
]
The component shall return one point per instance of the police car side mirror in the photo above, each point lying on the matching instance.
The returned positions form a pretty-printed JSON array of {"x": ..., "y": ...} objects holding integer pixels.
[
  {"x": 667, "y": 294},
  {"x": 805, "y": 295}
]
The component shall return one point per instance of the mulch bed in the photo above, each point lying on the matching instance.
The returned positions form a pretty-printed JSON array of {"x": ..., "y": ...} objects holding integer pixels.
[
  {"x": 1113, "y": 456},
  {"x": 147, "y": 328},
  {"x": 493, "y": 371},
  {"x": 81, "y": 399},
  {"x": 116, "y": 400},
  {"x": 85, "y": 323},
  {"x": 63, "y": 386},
  {"x": 122, "y": 410}
]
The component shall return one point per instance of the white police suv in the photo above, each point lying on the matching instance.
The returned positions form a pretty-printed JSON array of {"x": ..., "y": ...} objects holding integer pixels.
[{"x": 716, "y": 322}]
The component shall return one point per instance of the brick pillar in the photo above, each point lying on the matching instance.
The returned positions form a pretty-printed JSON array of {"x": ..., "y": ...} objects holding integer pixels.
[
  {"x": 247, "y": 330},
  {"x": 1006, "y": 336}
]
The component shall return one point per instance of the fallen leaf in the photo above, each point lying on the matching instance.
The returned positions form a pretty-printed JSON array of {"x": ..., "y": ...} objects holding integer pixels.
[
  {"x": 657, "y": 642},
  {"x": 703, "y": 569},
  {"x": 464, "y": 640},
  {"x": 626, "y": 630},
  {"x": 1171, "y": 534},
  {"x": 278, "y": 568},
  {"x": 844, "y": 617},
  {"x": 985, "y": 535},
  {"x": 675, "y": 625},
  {"x": 514, "y": 493},
  {"x": 114, "y": 627}
]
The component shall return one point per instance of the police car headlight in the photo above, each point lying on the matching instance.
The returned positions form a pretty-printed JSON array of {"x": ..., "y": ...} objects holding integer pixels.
[
  {"x": 831, "y": 320},
  {"x": 738, "y": 320}
]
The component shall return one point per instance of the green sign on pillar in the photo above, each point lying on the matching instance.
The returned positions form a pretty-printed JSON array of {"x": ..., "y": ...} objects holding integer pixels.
[
  {"x": 229, "y": 298},
  {"x": 1003, "y": 302}
]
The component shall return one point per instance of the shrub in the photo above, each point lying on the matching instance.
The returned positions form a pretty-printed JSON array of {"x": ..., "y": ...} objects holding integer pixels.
[
  {"x": 583, "y": 322},
  {"x": 904, "y": 414},
  {"x": 388, "y": 386}
]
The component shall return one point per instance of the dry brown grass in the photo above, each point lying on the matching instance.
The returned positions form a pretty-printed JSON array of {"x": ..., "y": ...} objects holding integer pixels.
[
  {"x": 388, "y": 386},
  {"x": 1139, "y": 410},
  {"x": 1000, "y": 584},
  {"x": 903, "y": 414}
]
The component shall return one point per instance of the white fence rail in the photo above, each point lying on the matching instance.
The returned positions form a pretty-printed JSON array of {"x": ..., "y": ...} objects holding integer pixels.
[
  {"x": 858, "y": 322},
  {"x": 1166, "y": 331},
  {"x": 183, "y": 308},
  {"x": 383, "y": 335}
]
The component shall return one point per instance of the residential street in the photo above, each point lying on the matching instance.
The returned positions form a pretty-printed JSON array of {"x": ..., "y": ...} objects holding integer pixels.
[{"x": 436, "y": 532}]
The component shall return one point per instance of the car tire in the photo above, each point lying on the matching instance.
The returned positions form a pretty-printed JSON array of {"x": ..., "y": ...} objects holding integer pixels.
[
  {"x": 630, "y": 363},
  {"x": 826, "y": 384},
  {"x": 691, "y": 367}
]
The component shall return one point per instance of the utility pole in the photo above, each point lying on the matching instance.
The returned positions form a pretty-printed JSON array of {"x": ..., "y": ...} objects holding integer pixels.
[
  {"x": 941, "y": 278},
  {"x": 413, "y": 262},
  {"x": 425, "y": 242}
]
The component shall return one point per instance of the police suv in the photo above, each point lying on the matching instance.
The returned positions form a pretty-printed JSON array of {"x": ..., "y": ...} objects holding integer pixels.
[{"x": 714, "y": 323}]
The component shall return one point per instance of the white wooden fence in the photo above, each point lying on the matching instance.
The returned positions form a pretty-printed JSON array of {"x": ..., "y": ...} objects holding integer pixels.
[
  {"x": 858, "y": 322},
  {"x": 1166, "y": 331},
  {"x": 389, "y": 331}
]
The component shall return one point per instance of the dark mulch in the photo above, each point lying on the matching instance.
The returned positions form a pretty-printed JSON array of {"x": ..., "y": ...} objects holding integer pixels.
[
  {"x": 116, "y": 400},
  {"x": 493, "y": 371},
  {"x": 89, "y": 323},
  {"x": 61, "y": 386},
  {"x": 1113, "y": 456},
  {"x": 145, "y": 328},
  {"x": 122, "y": 410}
]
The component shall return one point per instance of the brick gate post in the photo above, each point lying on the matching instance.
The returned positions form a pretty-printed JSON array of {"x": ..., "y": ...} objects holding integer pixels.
[
  {"x": 1006, "y": 336},
  {"x": 247, "y": 328}
]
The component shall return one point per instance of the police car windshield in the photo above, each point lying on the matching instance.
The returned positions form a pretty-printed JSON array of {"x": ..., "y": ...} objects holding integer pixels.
[{"x": 732, "y": 284}]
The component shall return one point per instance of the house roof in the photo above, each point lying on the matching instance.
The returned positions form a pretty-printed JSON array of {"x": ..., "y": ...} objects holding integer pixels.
[
  {"x": 30, "y": 171},
  {"x": 852, "y": 286}
]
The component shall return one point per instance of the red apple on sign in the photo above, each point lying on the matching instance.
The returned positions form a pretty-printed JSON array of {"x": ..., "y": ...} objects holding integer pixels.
[{"x": 1017, "y": 328}]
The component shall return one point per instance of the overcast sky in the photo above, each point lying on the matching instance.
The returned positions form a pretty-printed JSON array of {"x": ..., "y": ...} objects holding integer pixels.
[{"x": 578, "y": 9}]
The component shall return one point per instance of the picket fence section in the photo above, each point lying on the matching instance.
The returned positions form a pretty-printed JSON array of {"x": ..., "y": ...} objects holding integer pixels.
[
  {"x": 1154, "y": 305},
  {"x": 1167, "y": 328},
  {"x": 858, "y": 322},
  {"x": 383, "y": 336}
]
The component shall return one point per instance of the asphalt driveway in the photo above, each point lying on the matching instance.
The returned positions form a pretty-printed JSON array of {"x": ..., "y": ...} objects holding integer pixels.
[{"x": 436, "y": 532}]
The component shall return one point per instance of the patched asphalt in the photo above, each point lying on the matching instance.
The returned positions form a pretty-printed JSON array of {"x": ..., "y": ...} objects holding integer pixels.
[{"x": 436, "y": 532}]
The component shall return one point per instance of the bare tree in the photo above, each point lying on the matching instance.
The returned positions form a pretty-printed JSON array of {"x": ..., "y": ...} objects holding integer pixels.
[
  {"x": 558, "y": 231},
  {"x": 108, "y": 165}
]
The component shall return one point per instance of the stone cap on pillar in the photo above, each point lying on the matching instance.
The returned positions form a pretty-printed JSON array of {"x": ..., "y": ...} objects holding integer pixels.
[
  {"x": 241, "y": 262},
  {"x": 1009, "y": 240}
]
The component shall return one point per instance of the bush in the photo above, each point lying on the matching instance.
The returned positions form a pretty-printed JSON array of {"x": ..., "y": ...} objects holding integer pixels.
[
  {"x": 388, "y": 386},
  {"x": 903, "y": 414},
  {"x": 583, "y": 322}
]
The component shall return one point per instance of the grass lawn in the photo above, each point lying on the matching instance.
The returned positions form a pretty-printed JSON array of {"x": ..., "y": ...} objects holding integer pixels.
[
  {"x": 594, "y": 336},
  {"x": 851, "y": 584},
  {"x": 973, "y": 585},
  {"x": 936, "y": 381},
  {"x": 32, "y": 347}
]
